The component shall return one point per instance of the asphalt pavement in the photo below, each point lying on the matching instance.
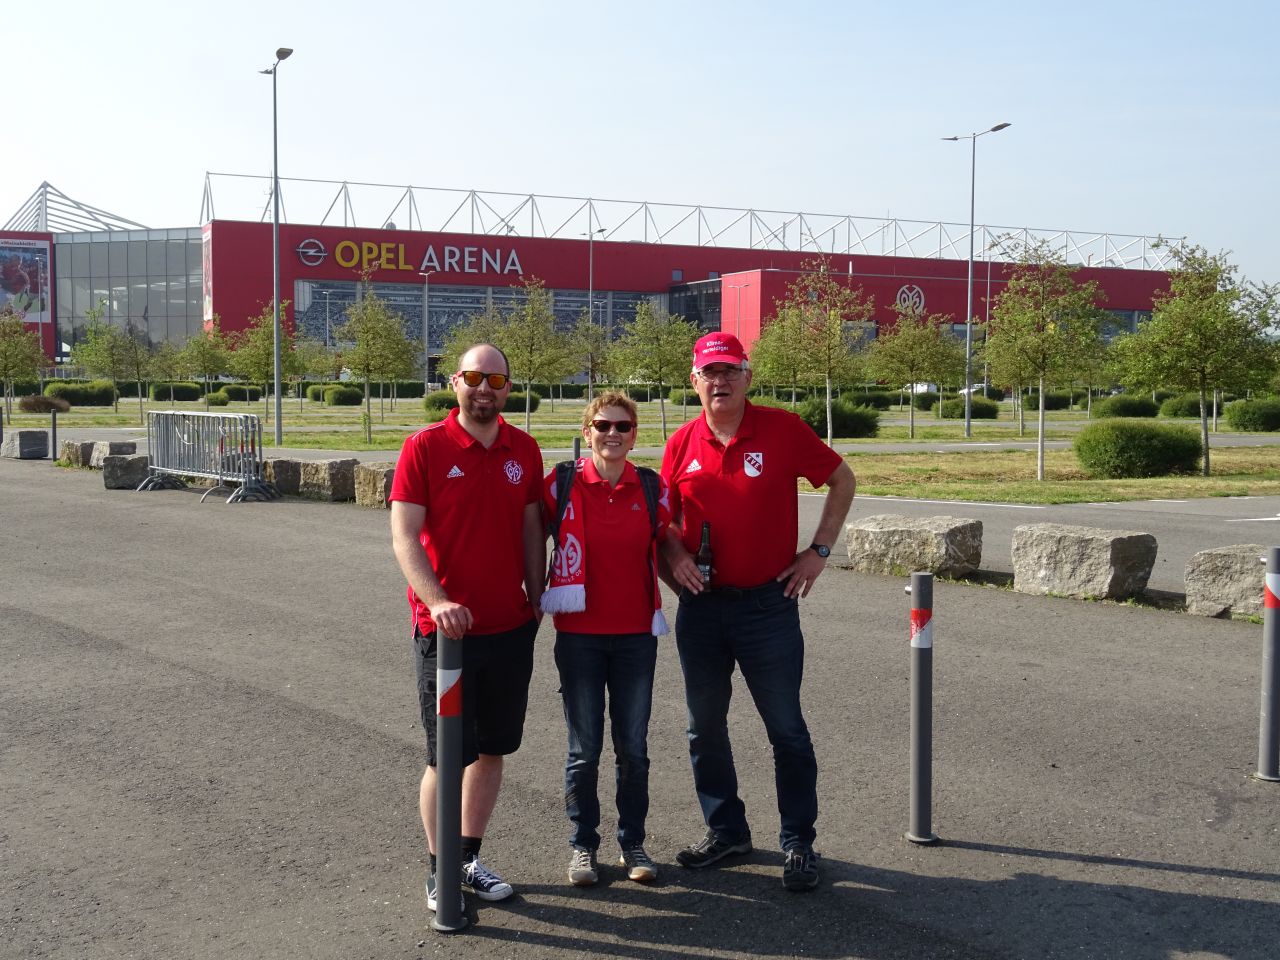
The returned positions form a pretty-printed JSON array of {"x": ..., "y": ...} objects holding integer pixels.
[{"x": 210, "y": 748}]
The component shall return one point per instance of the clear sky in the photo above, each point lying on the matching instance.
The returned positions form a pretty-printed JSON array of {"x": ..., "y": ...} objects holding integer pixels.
[{"x": 1130, "y": 118}]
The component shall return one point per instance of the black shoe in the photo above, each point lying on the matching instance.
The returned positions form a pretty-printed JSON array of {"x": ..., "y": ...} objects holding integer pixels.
[
  {"x": 711, "y": 849},
  {"x": 800, "y": 870}
]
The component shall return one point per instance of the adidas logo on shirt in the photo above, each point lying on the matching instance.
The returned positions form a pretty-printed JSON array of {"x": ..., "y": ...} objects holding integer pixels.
[
  {"x": 455, "y": 472},
  {"x": 693, "y": 467},
  {"x": 635, "y": 507}
]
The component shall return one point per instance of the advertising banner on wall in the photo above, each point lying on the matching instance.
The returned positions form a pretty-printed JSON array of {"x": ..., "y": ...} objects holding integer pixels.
[
  {"x": 206, "y": 263},
  {"x": 25, "y": 286}
]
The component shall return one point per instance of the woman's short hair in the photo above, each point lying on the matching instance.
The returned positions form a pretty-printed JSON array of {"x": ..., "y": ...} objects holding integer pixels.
[{"x": 610, "y": 398}]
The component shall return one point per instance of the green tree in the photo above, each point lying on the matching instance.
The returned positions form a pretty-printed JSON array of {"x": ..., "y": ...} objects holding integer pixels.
[
  {"x": 166, "y": 365},
  {"x": 253, "y": 352},
  {"x": 1040, "y": 324},
  {"x": 370, "y": 331},
  {"x": 136, "y": 357},
  {"x": 588, "y": 350},
  {"x": 529, "y": 338},
  {"x": 102, "y": 351},
  {"x": 206, "y": 355},
  {"x": 831, "y": 319},
  {"x": 913, "y": 350},
  {"x": 311, "y": 359},
  {"x": 1207, "y": 332},
  {"x": 484, "y": 327},
  {"x": 779, "y": 358},
  {"x": 655, "y": 347},
  {"x": 20, "y": 354}
]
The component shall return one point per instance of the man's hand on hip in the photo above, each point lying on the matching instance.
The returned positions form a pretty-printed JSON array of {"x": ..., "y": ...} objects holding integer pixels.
[{"x": 804, "y": 570}]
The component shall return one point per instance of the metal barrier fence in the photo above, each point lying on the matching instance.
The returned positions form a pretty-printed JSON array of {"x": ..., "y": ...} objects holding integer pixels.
[{"x": 223, "y": 447}]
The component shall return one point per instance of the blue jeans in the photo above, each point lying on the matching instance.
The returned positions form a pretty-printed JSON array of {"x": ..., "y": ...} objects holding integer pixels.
[
  {"x": 590, "y": 664},
  {"x": 758, "y": 631}
]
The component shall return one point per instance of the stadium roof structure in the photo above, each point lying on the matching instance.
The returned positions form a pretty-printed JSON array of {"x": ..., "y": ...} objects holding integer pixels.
[
  {"x": 486, "y": 212},
  {"x": 49, "y": 210}
]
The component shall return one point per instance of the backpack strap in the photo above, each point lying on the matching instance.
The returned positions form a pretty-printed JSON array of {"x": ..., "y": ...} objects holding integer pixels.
[
  {"x": 651, "y": 484},
  {"x": 565, "y": 471}
]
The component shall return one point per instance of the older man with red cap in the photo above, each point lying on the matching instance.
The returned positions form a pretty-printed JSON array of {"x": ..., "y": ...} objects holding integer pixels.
[{"x": 732, "y": 474}]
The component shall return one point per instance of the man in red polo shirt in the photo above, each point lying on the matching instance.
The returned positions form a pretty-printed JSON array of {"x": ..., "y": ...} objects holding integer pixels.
[
  {"x": 736, "y": 467},
  {"x": 466, "y": 526}
]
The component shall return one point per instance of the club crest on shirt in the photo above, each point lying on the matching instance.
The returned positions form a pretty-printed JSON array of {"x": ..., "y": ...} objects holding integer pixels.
[
  {"x": 513, "y": 470},
  {"x": 753, "y": 464},
  {"x": 569, "y": 558}
]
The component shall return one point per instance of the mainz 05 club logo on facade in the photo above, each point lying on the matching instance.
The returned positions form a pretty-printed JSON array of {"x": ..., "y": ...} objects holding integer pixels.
[
  {"x": 368, "y": 255},
  {"x": 911, "y": 297}
]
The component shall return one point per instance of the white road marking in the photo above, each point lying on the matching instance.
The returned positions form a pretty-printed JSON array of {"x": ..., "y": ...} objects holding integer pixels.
[
  {"x": 966, "y": 503},
  {"x": 1253, "y": 520}
]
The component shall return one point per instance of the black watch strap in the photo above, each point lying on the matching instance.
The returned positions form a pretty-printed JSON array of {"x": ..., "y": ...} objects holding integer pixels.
[{"x": 820, "y": 549}]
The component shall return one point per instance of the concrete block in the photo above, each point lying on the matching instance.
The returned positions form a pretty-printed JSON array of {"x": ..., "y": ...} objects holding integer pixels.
[
  {"x": 76, "y": 453},
  {"x": 25, "y": 445},
  {"x": 898, "y": 545},
  {"x": 111, "y": 448},
  {"x": 333, "y": 480},
  {"x": 284, "y": 474},
  {"x": 373, "y": 484},
  {"x": 124, "y": 472},
  {"x": 1226, "y": 580},
  {"x": 1081, "y": 562}
]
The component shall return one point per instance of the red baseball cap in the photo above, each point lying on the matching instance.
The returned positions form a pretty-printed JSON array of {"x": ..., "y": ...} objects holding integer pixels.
[{"x": 718, "y": 348}]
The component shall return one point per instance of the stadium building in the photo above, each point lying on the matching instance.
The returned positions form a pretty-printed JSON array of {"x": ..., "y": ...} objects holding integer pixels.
[{"x": 462, "y": 251}]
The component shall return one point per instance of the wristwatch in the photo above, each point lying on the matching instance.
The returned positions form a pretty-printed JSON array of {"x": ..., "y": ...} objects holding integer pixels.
[{"x": 820, "y": 549}]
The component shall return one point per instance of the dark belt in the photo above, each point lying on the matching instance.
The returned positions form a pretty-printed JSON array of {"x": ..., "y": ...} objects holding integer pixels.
[{"x": 735, "y": 593}]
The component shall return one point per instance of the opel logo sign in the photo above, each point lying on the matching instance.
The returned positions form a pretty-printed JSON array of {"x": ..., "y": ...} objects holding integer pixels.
[
  {"x": 312, "y": 253},
  {"x": 911, "y": 297}
]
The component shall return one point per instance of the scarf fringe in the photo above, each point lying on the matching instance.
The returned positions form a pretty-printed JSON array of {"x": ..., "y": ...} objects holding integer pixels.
[
  {"x": 659, "y": 626},
  {"x": 569, "y": 598}
]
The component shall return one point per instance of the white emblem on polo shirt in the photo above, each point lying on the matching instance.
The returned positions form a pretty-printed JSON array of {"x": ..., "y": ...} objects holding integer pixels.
[
  {"x": 693, "y": 467},
  {"x": 753, "y": 464},
  {"x": 455, "y": 472},
  {"x": 635, "y": 507},
  {"x": 513, "y": 470}
]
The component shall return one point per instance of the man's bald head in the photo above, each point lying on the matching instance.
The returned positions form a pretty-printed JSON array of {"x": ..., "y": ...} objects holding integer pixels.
[{"x": 486, "y": 358}]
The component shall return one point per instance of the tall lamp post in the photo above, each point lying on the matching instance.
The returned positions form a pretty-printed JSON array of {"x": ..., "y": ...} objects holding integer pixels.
[
  {"x": 284, "y": 53},
  {"x": 737, "y": 320},
  {"x": 328, "y": 339},
  {"x": 968, "y": 309},
  {"x": 426, "y": 329},
  {"x": 591, "y": 266}
]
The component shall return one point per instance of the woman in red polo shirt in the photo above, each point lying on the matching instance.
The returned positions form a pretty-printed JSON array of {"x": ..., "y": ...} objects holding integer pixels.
[{"x": 604, "y": 597}]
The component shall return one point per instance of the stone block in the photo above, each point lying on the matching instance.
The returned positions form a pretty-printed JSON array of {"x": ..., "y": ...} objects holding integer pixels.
[
  {"x": 25, "y": 445},
  {"x": 124, "y": 472},
  {"x": 76, "y": 453},
  {"x": 333, "y": 480},
  {"x": 898, "y": 545},
  {"x": 373, "y": 484},
  {"x": 111, "y": 448},
  {"x": 1226, "y": 580},
  {"x": 1081, "y": 562},
  {"x": 284, "y": 474}
]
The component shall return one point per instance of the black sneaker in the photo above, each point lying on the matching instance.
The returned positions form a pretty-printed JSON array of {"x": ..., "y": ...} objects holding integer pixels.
[
  {"x": 800, "y": 869},
  {"x": 640, "y": 866},
  {"x": 431, "y": 896},
  {"x": 483, "y": 882},
  {"x": 711, "y": 849}
]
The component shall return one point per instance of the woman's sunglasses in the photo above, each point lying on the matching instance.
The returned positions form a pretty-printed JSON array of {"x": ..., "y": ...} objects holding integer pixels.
[
  {"x": 473, "y": 378},
  {"x": 622, "y": 426}
]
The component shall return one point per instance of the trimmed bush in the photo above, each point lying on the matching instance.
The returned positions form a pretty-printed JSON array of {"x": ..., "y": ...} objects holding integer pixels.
[
  {"x": 182, "y": 390},
  {"x": 1118, "y": 449},
  {"x": 924, "y": 400},
  {"x": 217, "y": 399},
  {"x": 97, "y": 393},
  {"x": 877, "y": 399},
  {"x": 990, "y": 392},
  {"x": 343, "y": 396},
  {"x": 515, "y": 402},
  {"x": 39, "y": 403},
  {"x": 1125, "y": 405},
  {"x": 849, "y": 421},
  {"x": 21, "y": 388},
  {"x": 1160, "y": 396},
  {"x": 684, "y": 394},
  {"x": 566, "y": 391},
  {"x": 440, "y": 400},
  {"x": 241, "y": 391},
  {"x": 980, "y": 408},
  {"x": 400, "y": 389},
  {"x": 1052, "y": 401},
  {"x": 1187, "y": 405},
  {"x": 1254, "y": 415}
]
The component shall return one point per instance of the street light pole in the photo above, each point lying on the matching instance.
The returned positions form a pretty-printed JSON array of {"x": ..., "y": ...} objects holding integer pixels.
[
  {"x": 426, "y": 329},
  {"x": 282, "y": 54},
  {"x": 737, "y": 320},
  {"x": 968, "y": 309}
]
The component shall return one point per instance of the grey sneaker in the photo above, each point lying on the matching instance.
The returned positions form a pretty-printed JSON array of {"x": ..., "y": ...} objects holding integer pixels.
[
  {"x": 431, "y": 895},
  {"x": 640, "y": 867},
  {"x": 483, "y": 882},
  {"x": 711, "y": 849},
  {"x": 800, "y": 869},
  {"x": 582, "y": 867}
]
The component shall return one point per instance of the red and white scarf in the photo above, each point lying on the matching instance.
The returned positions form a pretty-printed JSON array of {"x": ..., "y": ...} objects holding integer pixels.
[{"x": 567, "y": 578}]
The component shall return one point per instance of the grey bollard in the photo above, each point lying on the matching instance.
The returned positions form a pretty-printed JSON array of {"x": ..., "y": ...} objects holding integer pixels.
[
  {"x": 449, "y": 694},
  {"x": 920, "y": 830},
  {"x": 53, "y": 434},
  {"x": 1269, "y": 715}
]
